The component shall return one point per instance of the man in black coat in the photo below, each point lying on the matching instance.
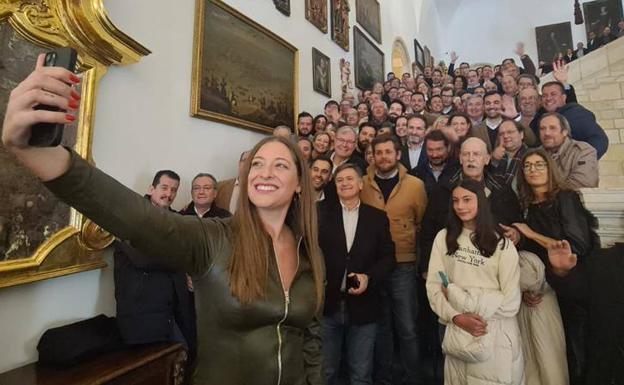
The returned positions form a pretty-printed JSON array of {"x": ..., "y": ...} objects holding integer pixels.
[
  {"x": 359, "y": 255},
  {"x": 203, "y": 195},
  {"x": 153, "y": 302},
  {"x": 413, "y": 153}
]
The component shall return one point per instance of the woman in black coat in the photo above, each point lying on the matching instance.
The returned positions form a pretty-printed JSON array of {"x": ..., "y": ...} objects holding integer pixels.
[{"x": 560, "y": 230}]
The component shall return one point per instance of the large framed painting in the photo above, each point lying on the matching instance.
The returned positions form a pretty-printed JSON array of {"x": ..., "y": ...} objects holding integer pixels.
[
  {"x": 419, "y": 54},
  {"x": 40, "y": 236},
  {"x": 553, "y": 39},
  {"x": 340, "y": 23},
  {"x": 368, "y": 15},
  {"x": 243, "y": 74},
  {"x": 427, "y": 56},
  {"x": 321, "y": 73},
  {"x": 600, "y": 14},
  {"x": 283, "y": 6},
  {"x": 369, "y": 61},
  {"x": 316, "y": 13}
]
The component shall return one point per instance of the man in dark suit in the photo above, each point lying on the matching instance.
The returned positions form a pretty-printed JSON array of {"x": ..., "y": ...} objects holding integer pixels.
[
  {"x": 593, "y": 42},
  {"x": 203, "y": 194},
  {"x": 359, "y": 255},
  {"x": 413, "y": 153}
]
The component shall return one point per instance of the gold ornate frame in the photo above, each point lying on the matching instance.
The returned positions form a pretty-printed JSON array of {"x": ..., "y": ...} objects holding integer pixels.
[
  {"x": 85, "y": 26},
  {"x": 198, "y": 57}
]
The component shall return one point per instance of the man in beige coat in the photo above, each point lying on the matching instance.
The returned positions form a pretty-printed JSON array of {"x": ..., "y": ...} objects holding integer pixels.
[
  {"x": 388, "y": 186},
  {"x": 577, "y": 160}
]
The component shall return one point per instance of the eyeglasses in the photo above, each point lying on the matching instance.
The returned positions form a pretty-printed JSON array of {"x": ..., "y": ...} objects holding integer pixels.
[
  {"x": 344, "y": 141},
  {"x": 538, "y": 166}
]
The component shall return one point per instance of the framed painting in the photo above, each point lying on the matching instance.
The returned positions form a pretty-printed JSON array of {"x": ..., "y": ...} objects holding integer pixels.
[
  {"x": 553, "y": 39},
  {"x": 427, "y": 56},
  {"x": 283, "y": 6},
  {"x": 368, "y": 15},
  {"x": 369, "y": 61},
  {"x": 419, "y": 54},
  {"x": 243, "y": 74},
  {"x": 321, "y": 73},
  {"x": 340, "y": 23},
  {"x": 316, "y": 13},
  {"x": 600, "y": 14}
]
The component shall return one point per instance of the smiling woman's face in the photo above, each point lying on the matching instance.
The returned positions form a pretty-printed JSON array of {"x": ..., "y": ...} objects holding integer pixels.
[{"x": 273, "y": 178}]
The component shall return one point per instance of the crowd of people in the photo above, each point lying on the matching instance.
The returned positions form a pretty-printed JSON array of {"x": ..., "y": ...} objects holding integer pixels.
[{"x": 444, "y": 207}]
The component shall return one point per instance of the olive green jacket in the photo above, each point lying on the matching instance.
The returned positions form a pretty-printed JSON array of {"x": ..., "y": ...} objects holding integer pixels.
[{"x": 272, "y": 341}]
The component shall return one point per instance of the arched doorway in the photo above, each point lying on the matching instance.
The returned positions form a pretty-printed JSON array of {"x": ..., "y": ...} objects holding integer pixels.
[{"x": 400, "y": 58}]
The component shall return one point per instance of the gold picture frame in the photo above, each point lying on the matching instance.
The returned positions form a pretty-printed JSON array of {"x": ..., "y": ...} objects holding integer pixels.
[
  {"x": 85, "y": 26},
  {"x": 250, "y": 78}
]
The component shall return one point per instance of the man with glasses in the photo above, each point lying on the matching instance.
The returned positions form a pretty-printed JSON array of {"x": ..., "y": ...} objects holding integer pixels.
[
  {"x": 577, "y": 160},
  {"x": 203, "y": 195}
]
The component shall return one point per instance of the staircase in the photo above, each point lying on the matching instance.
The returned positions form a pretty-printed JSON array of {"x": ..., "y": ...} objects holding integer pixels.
[{"x": 598, "y": 79}]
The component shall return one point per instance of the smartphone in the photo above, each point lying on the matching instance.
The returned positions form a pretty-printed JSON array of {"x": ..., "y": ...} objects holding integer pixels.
[
  {"x": 50, "y": 134},
  {"x": 444, "y": 279},
  {"x": 353, "y": 282}
]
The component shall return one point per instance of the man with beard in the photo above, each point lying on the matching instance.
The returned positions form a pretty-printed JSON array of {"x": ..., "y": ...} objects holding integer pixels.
[
  {"x": 320, "y": 174},
  {"x": 436, "y": 174},
  {"x": 419, "y": 103},
  {"x": 577, "y": 160},
  {"x": 379, "y": 113},
  {"x": 487, "y": 130},
  {"x": 582, "y": 122},
  {"x": 365, "y": 137},
  {"x": 436, "y": 78},
  {"x": 412, "y": 154},
  {"x": 304, "y": 125},
  {"x": 388, "y": 187},
  {"x": 397, "y": 108},
  {"x": 503, "y": 200}
]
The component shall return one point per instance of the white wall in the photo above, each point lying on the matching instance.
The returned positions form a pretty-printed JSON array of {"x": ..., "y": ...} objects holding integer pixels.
[
  {"x": 143, "y": 125},
  {"x": 487, "y": 30}
]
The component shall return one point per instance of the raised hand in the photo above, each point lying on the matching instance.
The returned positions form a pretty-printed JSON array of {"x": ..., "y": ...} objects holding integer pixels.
[
  {"x": 519, "y": 49},
  {"x": 561, "y": 257},
  {"x": 509, "y": 107},
  {"x": 560, "y": 71},
  {"x": 454, "y": 57},
  {"x": 45, "y": 85}
]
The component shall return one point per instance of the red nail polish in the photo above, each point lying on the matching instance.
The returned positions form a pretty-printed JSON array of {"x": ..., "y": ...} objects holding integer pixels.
[
  {"x": 69, "y": 117},
  {"x": 75, "y": 95},
  {"x": 74, "y": 78},
  {"x": 73, "y": 104}
]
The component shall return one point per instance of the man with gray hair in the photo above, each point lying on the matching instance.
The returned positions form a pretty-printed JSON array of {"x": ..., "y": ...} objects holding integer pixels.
[
  {"x": 577, "y": 160},
  {"x": 379, "y": 112},
  {"x": 283, "y": 131},
  {"x": 345, "y": 143},
  {"x": 203, "y": 195}
]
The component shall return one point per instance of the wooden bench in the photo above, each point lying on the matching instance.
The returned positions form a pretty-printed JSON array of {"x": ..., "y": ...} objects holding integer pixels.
[{"x": 154, "y": 364}]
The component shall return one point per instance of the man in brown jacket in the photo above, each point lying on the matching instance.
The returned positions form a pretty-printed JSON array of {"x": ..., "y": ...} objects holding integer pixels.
[
  {"x": 577, "y": 160},
  {"x": 387, "y": 186}
]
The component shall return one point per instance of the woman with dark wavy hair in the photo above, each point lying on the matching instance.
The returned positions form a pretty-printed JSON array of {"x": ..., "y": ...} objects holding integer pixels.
[
  {"x": 472, "y": 259},
  {"x": 561, "y": 231}
]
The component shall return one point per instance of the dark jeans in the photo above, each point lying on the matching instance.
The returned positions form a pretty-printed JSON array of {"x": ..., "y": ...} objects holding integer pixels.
[
  {"x": 360, "y": 344},
  {"x": 575, "y": 324},
  {"x": 400, "y": 313}
]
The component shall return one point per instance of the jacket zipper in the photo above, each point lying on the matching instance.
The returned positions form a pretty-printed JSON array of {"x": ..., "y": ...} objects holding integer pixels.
[{"x": 286, "y": 304}]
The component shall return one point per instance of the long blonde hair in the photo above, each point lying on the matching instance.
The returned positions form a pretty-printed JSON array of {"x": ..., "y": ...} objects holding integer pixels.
[{"x": 252, "y": 245}]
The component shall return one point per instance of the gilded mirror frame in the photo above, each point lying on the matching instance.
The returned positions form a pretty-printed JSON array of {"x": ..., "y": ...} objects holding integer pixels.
[{"x": 85, "y": 26}]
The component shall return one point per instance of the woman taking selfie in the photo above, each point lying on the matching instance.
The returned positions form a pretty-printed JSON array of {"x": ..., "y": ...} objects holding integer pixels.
[
  {"x": 561, "y": 232},
  {"x": 258, "y": 278},
  {"x": 472, "y": 258}
]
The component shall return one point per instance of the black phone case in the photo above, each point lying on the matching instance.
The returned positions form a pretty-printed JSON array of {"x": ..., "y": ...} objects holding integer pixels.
[{"x": 51, "y": 134}]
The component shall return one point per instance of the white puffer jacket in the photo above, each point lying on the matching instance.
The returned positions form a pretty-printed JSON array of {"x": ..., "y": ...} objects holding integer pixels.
[{"x": 543, "y": 339}]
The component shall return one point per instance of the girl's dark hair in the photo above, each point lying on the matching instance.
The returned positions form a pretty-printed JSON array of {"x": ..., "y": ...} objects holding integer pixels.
[
  {"x": 486, "y": 235},
  {"x": 463, "y": 80}
]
